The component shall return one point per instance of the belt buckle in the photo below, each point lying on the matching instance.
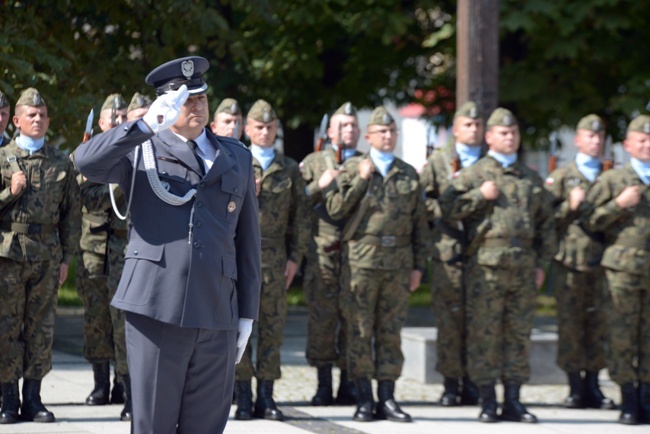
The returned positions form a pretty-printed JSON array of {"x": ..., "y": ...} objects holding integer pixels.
[
  {"x": 516, "y": 242},
  {"x": 388, "y": 241}
]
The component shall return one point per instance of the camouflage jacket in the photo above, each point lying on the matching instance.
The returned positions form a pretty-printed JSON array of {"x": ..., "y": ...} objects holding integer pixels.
[
  {"x": 283, "y": 208},
  {"x": 578, "y": 249},
  {"x": 324, "y": 228},
  {"x": 395, "y": 213},
  {"x": 626, "y": 231},
  {"x": 435, "y": 177},
  {"x": 520, "y": 219},
  {"x": 51, "y": 198},
  {"x": 94, "y": 216}
]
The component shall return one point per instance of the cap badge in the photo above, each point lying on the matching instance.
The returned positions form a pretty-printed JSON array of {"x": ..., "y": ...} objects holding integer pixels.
[
  {"x": 233, "y": 108},
  {"x": 507, "y": 120},
  {"x": 266, "y": 117},
  {"x": 386, "y": 118},
  {"x": 473, "y": 113},
  {"x": 140, "y": 100},
  {"x": 232, "y": 206},
  {"x": 187, "y": 68},
  {"x": 595, "y": 126},
  {"x": 646, "y": 128},
  {"x": 348, "y": 109},
  {"x": 37, "y": 99}
]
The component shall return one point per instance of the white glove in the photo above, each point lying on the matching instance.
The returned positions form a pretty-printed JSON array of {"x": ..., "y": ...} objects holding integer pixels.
[
  {"x": 243, "y": 333},
  {"x": 166, "y": 109}
]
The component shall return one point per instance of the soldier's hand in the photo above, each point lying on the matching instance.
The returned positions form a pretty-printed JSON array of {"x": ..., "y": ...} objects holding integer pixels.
[
  {"x": 366, "y": 168},
  {"x": 63, "y": 273},
  {"x": 18, "y": 182},
  {"x": 289, "y": 273},
  {"x": 415, "y": 278},
  {"x": 576, "y": 197},
  {"x": 539, "y": 277},
  {"x": 489, "y": 190},
  {"x": 327, "y": 177},
  {"x": 258, "y": 186},
  {"x": 629, "y": 197},
  {"x": 166, "y": 109}
]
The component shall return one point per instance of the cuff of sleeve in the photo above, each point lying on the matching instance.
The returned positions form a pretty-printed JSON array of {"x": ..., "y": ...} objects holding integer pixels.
[
  {"x": 478, "y": 198},
  {"x": 312, "y": 188},
  {"x": 359, "y": 184}
]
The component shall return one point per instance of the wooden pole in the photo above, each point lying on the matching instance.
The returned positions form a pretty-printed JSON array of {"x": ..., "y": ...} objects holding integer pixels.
[{"x": 477, "y": 39}]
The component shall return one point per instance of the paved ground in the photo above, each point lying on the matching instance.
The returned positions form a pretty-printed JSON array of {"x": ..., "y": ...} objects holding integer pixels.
[{"x": 66, "y": 387}]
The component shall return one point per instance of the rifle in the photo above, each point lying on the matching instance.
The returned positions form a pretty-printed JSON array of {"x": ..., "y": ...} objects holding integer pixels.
[
  {"x": 608, "y": 162},
  {"x": 430, "y": 142},
  {"x": 235, "y": 133},
  {"x": 322, "y": 133},
  {"x": 88, "y": 132},
  {"x": 552, "y": 154},
  {"x": 339, "y": 148}
]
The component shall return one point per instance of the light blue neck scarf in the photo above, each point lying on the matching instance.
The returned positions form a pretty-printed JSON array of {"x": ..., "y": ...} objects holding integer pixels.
[
  {"x": 29, "y": 144},
  {"x": 381, "y": 160},
  {"x": 642, "y": 168},
  {"x": 264, "y": 155},
  {"x": 503, "y": 159},
  {"x": 587, "y": 165},
  {"x": 468, "y": 154},
  {"x": 347, "y": 153}
]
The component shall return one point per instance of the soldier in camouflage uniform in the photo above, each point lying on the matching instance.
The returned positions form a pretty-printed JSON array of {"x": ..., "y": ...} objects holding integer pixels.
[
  {"x": 39, "y": 229},
  {"x": 138, "y": 107},
  {"x": 4, "y": 117},
  {"x": 384, "y": 250},
  {"x": 447, "y": 290},
  {"x": 321, "y": 283},
  {"x": 92, "y": 268},
  {"x": 228, "y": 119},
  {"x": 282, "y": 211},
  {"x": 507, "y": 213},
  {"x": 619, "y": 206},
  {"x": 577, "y": 276}
]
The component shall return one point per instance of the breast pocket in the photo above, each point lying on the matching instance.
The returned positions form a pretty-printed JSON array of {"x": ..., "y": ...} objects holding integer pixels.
[{"x": 232, "y": 188}]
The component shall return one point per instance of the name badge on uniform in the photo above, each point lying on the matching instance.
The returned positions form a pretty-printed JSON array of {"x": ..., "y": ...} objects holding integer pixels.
[{"x": 232, "y": 206}]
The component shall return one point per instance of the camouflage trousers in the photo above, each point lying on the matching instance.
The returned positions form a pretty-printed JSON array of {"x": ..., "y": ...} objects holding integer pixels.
[
  {"x": 500, "y": 309},
  {"x": 118, "y": 317},
  {"x": 629, "y": 327},
  {"x": 28, "y": 293},
  {"x": 582, "y": 320},
  {"x": 270, "y": 330},
  {"x": 449, "y": 313},
  {"x": 326, "y": 341},
  {"x": 375, "y": 306}
]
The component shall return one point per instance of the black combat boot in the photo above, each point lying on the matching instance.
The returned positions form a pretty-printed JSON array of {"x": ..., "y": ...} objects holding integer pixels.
[
  {"x": 365, "y": 401},
  {"x": 387, "y": 407},
  {"x": 347, "y": 394},
  {"x": 324, "y": 391},
  {"x": 118, "y": 395},
  {"x": 469, "y": 394},
  {"x": 574, "y": 400},
  {"x": 32, "y": 408},
  {"x": 488, "y": 404},
  {"x": 644, "y": 403},
  {"x": 593, "y": 397},
  {"x": 265, "y": 407},
  {"x": 127, "y": 411},
  {"x": 513, "y": 409},
  {"x": 10, "y": 403},
  {"x": 101, "y": 375},
  {"x": 449, "y": 396},
  {"x": 629, "y": 405},
  {"x": 244, "y": 393}
]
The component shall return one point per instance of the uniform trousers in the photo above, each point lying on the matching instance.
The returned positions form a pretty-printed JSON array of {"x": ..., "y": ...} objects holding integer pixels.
[
  {"x": 629, "y": 327},
  {"x": 28, "y": 295},
  {"x": 375, "y": 306},
  {"x": 182, "y": 378}
]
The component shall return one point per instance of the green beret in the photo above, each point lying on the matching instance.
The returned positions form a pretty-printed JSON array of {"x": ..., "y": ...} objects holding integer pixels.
[
  {"x": 469, "y": 110},
  {"x": 346, "y": 109},
  {"x": 640, "y": 124},
  {"x": 380, "y": 116},
  {"x": 4, "y": 102},
  {"x": 591, "y": 122},
  {"x": 31, "y": 97},
  {"x": 138, "y": 101},
  {"x": 230, "y": 106},
  {"x": 262, "y": 112},
  {"x": 502, "y": 117},
  {"x": 114, "y": 101}
]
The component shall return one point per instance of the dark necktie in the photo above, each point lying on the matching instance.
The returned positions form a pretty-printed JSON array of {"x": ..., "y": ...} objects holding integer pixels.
[{"x": 192, "y": 144}]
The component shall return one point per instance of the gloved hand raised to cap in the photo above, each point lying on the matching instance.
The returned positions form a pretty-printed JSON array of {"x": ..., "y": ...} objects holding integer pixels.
[{"x": 166, "y": 109}]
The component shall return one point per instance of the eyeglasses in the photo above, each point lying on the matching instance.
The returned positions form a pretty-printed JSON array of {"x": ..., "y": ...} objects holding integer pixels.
[{"x": 383, "y": 131}]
